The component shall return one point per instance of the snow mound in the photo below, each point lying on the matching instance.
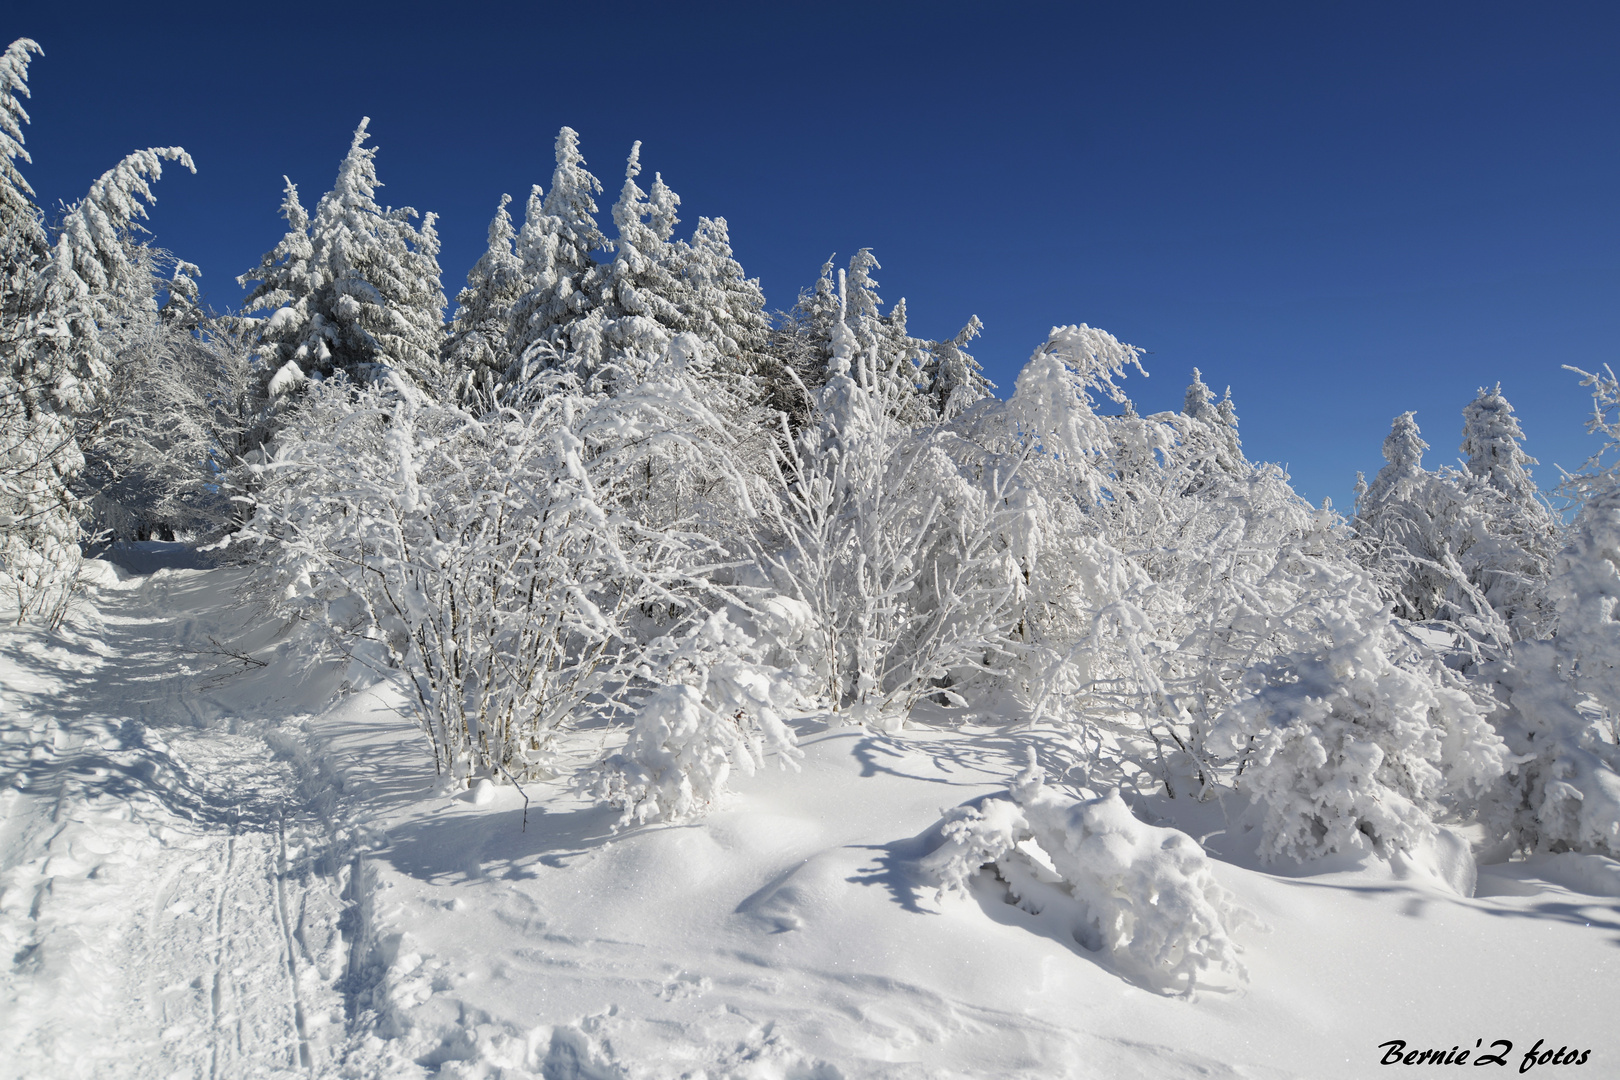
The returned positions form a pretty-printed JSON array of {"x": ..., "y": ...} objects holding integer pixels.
[{"x": 1145, "y": 895}]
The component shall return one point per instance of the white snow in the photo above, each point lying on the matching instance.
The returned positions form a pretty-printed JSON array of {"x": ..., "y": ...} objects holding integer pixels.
[{"x": 213, "y": 868}]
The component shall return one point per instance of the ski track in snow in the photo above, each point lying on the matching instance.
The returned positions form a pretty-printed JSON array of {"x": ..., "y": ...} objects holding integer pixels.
[{"x": 169, "y": 900}]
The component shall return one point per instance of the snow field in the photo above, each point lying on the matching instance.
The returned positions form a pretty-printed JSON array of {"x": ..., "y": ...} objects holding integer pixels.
[{"x": 151, "y": 909}]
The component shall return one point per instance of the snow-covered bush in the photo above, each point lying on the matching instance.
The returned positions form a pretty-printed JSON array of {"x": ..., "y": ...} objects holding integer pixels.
[
  {"x": 715, "y": 708},
  {"x": 491, "y": 559},
  {"x": 1354, "y": 737},
  {"x": 897, "y": 547},
  {"x": 1146, "y": 896}
]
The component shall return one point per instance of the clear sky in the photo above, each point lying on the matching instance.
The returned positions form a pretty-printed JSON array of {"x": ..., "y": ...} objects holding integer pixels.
[{"x": 1341, "y": 210}]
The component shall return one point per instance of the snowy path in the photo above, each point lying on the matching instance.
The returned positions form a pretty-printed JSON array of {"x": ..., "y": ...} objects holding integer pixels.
[{"x": 171, "y": 898}]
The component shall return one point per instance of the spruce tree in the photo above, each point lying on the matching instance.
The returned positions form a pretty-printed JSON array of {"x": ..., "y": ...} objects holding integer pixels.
[
  {"x": 718, "y": 301},
  {"x": 1511, "y": 563},
  {"x": 559, "y": 233},
  {"x": 477, "y": 354},
  {"x": 354, "y": 289}
]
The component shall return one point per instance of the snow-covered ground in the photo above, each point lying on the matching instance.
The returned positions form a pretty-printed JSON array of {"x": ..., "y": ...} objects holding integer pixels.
[{"x": 212, "y": 865}]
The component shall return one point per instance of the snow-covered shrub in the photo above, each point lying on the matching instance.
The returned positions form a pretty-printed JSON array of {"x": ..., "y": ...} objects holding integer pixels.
[
  {"x": 715, "y": 708},
  {"x": 1145, "y": 895},
  {"x": 491, "y": 559},
  {"x": 1563, "y": 793},
  {"x": 896, "y": 546},
  {"x": 1353, "y": 737}
]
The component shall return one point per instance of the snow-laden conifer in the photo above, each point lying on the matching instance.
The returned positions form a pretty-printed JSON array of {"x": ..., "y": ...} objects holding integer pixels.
[
  {"x": 477, "y": 351},
  {"x": 634, "y": 312},
  {"x": 1406, "y": 522},
  {"x": 559, "y": 233},
  {"x": 718, "y": 301},
  {"x": 1562, "y": 693},
  {"x": 1511, "y": 559},
  {"x": 90, "y": 292},
  {"x": 884, "y": 358},
  {"x": 354, "y": 288},
  {"x": 1212, "y": 440},
  {"x": 1562, "y": 697}
]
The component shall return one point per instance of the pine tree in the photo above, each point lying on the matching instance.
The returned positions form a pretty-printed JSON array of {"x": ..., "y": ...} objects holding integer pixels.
[
  {"x": 355, "y": 289},
  {"x": 476, "y": 352},
  {"x": 559, "y": 234},
  {"x": 718, "y": 302},
  {"x": 1512, "y": 562}
]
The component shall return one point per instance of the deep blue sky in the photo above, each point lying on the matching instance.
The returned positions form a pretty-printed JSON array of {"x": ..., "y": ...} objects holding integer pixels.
[{"x": 1343, "y": 210}]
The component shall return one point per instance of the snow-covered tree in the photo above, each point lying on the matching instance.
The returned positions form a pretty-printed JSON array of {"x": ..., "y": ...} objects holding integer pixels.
[
  {"x": 1213, "y": 438},
  {"x": 37, "y": 457},
  {"x": 356, "y": 288},
  {"x": 719, "y": 302},
  {"x": 1561, "y": 694},
  {"x": 1472, "y": 545},
  {"x": 884, "y": 358},
  {"x": 1407, "y": 522},
  {"x": 955, "y": 380},
  {"x": 887, "y": 358},
  {"x": 181, "y": 414},
  {"x": 635, "y": 311},
  {"x": 555, "y": 245},
  {"x": 69, "y": 302},
  {"x": 478, "y": 351},
  {"x": 1511, "y": 560}
]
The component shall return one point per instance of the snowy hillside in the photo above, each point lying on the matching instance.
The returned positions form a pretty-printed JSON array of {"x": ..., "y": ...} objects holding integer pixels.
[{"x": 214, "y": 868}]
